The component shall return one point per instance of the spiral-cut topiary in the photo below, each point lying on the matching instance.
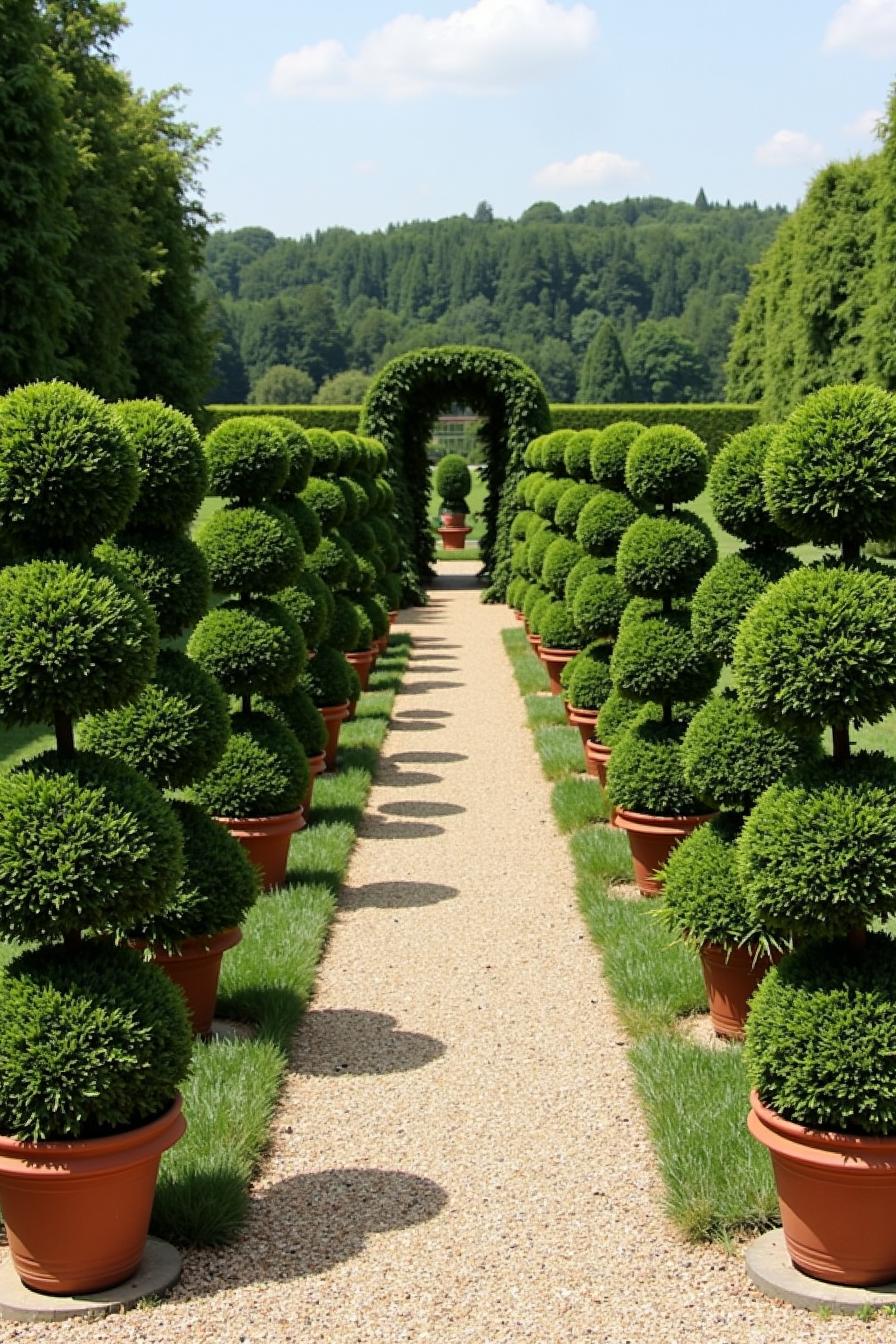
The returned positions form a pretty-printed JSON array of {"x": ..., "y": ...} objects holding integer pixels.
[
  {"x": 737, "y": 490},
  {"x": 609, "y": 450},
  {"x": 702, "y": 896},
  {"x": 326, "y": 678},
  {"x": 169, "y": 571},
  {"x": 583, "y": 569},
  {"x": 570, "y": 506},
  {"x": 330, "y": 563},
  {"x": 298, "y": 712},
  {"x": 350, "y": 449},
  {"x": 603, "y": 522},
  {"x": 645, "y": 774},
  {"x": 617, "y": 714},
  {"x": 665, "y": 557},
  {"x": 666, "y": 465},
  {"x": 531, "y": 486},
  {"x": 172, "y": 467},
  {"x": 262, "y": 773},
  {"x": 303, "y": 519},
  {"x": 538, "y": 550},
  {"x": 519, "y": 559},
  {"x": 68, "y": 472},
  {"x": 549, "y": 497},
  {"x": 301, "y": 455},
  {"x": 519, "y": 526},
  {"x": 352, "y": 571},
  {"x": 589, "y": 682},
  {"x": 453, "y": 483},
  {"x": 174, "y": 731},
  {"x": 92, "y": 1041},
  {"x": 311, "y": 604},
  {"x": 532, "y": 455},
  {"x": 538, "y": 611},
  {"x": 85, "y": 844},
  {"x": 377, "y": 614},
  {"x": 352, "y": 495},
  {"x": 364, "y": 637},
  {"x": 728, "y": 591},
  {"x": 326, "y": 451},
  {"x": 598, "y": 605},
  {"x": 553, "y": 451},
  {"x": 325, "y": 499},
  {"x": 657, "y": 658},
  {"x": 251, "y": 550},
  {"x": 344, "y": 625},
  {"x": 250, "y": 646},
  {"x": 560, "y": 559},
  {"x": 557, "y": 627},
  {"x": 248, "y": 459}
]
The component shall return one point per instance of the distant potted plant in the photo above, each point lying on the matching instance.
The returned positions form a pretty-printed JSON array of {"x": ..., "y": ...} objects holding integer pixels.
[
  {"x": 453, "y": 484},
  {"x": 93, "y": 1040},
  {"x": 327, "y": 682}
]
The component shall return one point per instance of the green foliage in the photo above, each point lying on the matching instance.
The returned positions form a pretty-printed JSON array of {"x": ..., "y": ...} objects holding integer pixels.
[
  {"x": 85, "y": 844},
  {"x": 330, "y": 563},
  {"x": 552, "y": 454},
  {"x": 727, "y": 592},
  {"x": 598, "y": 605},
  {"x": 830, "y": 474},
  {"x": 589, "y": 682},
  {"x": 92, "y": 1040},
  {"x": 665, "y": 556},
  {"x": 549, "y": 497},
  {"x": 453, "y": 483},
  {"x": 344, "y": 625},
  {"x": 310, "y": 603},
  {"x": 173, "y": 732},
  {"x": 714, "y": 423},
  {"x": 577, "y": 455},
  {"x": 657, "y": 658},
  {"x": 730, "y": 757},
  {"x": 519, "y": 526},
  {"x": 377, "y": 614},
  {"x": 560, "y": 559},
  {"x": 170, "y": 572},
  {"x": 538, "y": 551},
  {"x": 74, "y": 639},
  {"x": 609, "y": 453},
  {"x": 251, "y": 549},
  {"x": 582, "y": 570},
  {"x": 666, "y": 465},
  {"x": 817, "y": 647},
  {"x": 665, "y": 365},
  {"x": 822, "y": 1035},
  {"x": 645, "y": 772},
  {"x": 342, "y": 389},
  {"x": 737, "y": 491},
  {"x": 308, "y": 417},
  {"x": 303, "y": 519},
  {"x": 249, "y": 646},
  {"x": 325, "y": 500},
  {"x": 603, "y": 521},
  {"x": 248, "y": 459},
  {"x": 325, "y": 447},
  {"x": 326, "y": 679},
  {"x": 68, "y": 472},
  {"x": 172, "y": 466},
  {"x": 605, "y": 376},
  {"x": 570, "y": 506},
  {"x": 617, "y": 715},
  {"x": 262, "y": 773},
  {"x": 702, "y": 896},
  {"x": 282, "y": 385},
  {"x": 557, "y": 627},
  {"x": 818, "y": 852},
  {"x": 301, "y": 456},
  {"x": 298, "y": 712}
]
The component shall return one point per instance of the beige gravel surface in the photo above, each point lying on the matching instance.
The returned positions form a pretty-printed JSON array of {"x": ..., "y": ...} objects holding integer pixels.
[{"x": 459, "y": 1156}]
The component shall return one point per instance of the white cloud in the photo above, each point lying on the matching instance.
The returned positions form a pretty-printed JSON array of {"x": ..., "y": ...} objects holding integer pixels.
[
  {"x": 868, "y": 26},
  {"x": 600, "y": 169},
  {"x": 789, "y": 149},
  {"x": 366, "y": 167},
  {"x": 493, "y": 46},
  {"x": 864, "y": 126}
]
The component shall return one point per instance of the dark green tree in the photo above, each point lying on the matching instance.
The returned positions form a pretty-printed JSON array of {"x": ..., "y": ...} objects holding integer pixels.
[
  {"x": 666, "y": 366},
  {"x": 605, "y": 376}
]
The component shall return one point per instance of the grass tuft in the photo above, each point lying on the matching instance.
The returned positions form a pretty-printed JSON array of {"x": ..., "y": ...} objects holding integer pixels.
[
  {"x": 530, "y": 674},
  {"x": 560, "y": 750},
  {"x": 578, "y": 801}
]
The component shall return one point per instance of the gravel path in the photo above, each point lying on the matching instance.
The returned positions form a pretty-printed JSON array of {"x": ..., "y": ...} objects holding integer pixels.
[{"x": 459, "y": 1157}]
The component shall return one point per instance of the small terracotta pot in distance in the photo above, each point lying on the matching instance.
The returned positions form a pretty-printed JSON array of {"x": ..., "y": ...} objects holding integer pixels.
[
  {"x": 652, "y": 840},
  {"x": 266, "y": 840},
  {"x": 518, "y": 616},
  {"x": 77, "y": 1213},
  {"x": 586, "y": 722},
  {"x": 555, "y": 660},
  {"x": 196, "y": 969},
  {"x": 316, "y": 766},
  {"x": 334, "y": 717},
  {"x": 534, "y": 643},
  {"x": 361, "y": 662},
  {"x": 454, "y": 538},
  {"x": 731, "y": 976},
  {"x": 597, "y": 756}
]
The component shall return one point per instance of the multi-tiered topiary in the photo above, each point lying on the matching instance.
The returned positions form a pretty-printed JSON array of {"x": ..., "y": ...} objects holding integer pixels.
[
  {"x": 656, "y": 661},
  {"x": 93, "y": 1040},
  {"x": 250, "y": 643},
  {"x": 453, "y": 485},
  {"x": 817, "y": 856}
]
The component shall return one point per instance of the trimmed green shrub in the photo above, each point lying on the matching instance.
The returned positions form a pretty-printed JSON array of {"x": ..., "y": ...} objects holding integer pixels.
[
  {"x": 535, "y": 594},
  {"x": 249, "y": 646},
  {"x": 326, "y": 451},
  {"x": 552, "y": 455},
  {"x": 560, "y": 559},
  {"x": 364, "y": 637},
  {"x": 656, "y": 658},
  {"x": 609, "y": 450},
  {"x": 519, "y": 560},
  {"x": 822, "y": 1037},
  {"x": 598, "y": 605},
  {"x": 570, "y": 506},
  {"x": 702, "y": 896},
  {"x": 377, "y": 614},
  {"x": 666, "y": 465},
  {"x": 392, "y": 590},
  {"x": 713, "y": 422},
  {"x": 326, "y": 501},
  {"x": 310, "y": 604},
  {"x": 728, "y": 591},
  {"x": 520, "y": 524},
  {"x": 531, "y": 486},
  {"x": 350, "y": 449},
  {"x": 538, "y": 550},
  {"x": 304, "y": 520},
  {"x": 352, "y": 568},
  {"x": 577, "y": 454},
  {"x": 354, "y": 498},
  {"x": 344, "y": 625},
  {"x": 589, "y": 683},
  {"x": 262, "y": 773},
  {"x": 309, "y": 417},
  {"x": 301, "y": 456},
  {"x": 298, "y": 712},
  {"x": 617, "y": 714},
  {"x": 326, "y": 679},
  {"x": 603, "y": 522},
  {"x": 583, "y": 569},
  {"x": 538, "y": 612},
  {"x": 532, "y": 455},
  {"x": 453, "y": 483},
  {"x": 557, "y": 627},
  {"x": 92, "y": 1040},
  {"x": 329, "y": 562},
  {"x": 251, "y": 550},
  {"x": 169, "y": 571},
  {"x": 645, "y": 773},
  {"x": 549, "y": 496},
  {"x": 172, "y": 466},
  {"x": 247, "y": 459},
  {"x": 515, "y": 590},
  {"x": 737, "y": 490},
  {"x": 665, "y": 556}
]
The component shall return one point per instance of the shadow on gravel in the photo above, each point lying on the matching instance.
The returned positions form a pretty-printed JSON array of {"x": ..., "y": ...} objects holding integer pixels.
[
  {"x": 422, "y": 808},
  {"x": 407, "y": 779},
  {"x": 396, "y": 895},
  {"x": 426, "y": 714},
  {"x": 415, "y": 726},
  {"x": 375, "y": 827},
  {"x": 427, "y": 757},
  {"x": 334, "y": 1041}
]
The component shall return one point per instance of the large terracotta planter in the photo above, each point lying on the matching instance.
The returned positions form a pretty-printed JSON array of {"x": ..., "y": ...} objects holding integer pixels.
[
  {"x": 196, "y": 969},
  {"x": 454, "y": 538},
  {"x": 731, "y": 975},
  {"x": 652, "y": 840},
  {"x": 597, "y": 756},
  {"x": 555, "y": 660},
  {"x": 316, "y": 766},
  {"x": 361, "y": 663},
  {"x": 266, "y": 841},
  {"x": 77, "y": 1213},
  {"x": 450, "y": 519},
  {"x": 837, "y": 1194},
  {"x": 586, "y": 722},
  {"x": 334, "y": 717}
]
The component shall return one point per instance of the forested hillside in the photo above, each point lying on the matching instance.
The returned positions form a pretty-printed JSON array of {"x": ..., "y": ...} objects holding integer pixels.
[{"x": 636, "y": 299}]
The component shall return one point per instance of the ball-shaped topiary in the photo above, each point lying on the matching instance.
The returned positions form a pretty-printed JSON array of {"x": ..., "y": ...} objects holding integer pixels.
[
  {"x": 169, "y": 571},
  {"x": 645, "y": 774},
  {"x": 354, "y": 497},
  {"x": 91, "y": 1041},
  {"x": 301, "y": 455},
  {"x": 830, "y": 474},
  {"x": 453, "y": 483},
  {"x": 352, "y": 570},
  {"x": 534, "y": 594},
  {"x": 557, "y": 627},
  {"x": 326, "y": 450},
  {"x": 85, "y": 843},
  {"x": 532, "y": 455},
  {"x": 728, "y": 591},
  {"x": 552, "y": 456},
  {"x": 665, "y": 556},
  {"x": 609, "y": 451},
  {"x": 538, "y": 611},
  {"x": 560, "y": 559},
  {"x": 730, "y": 757},
  {"x": 364, "y": 637},
  {"x": 251, "y": 549},
  {"x": 520, "y": 523},
  {"x": 570, "y": 506},
  {"x": 603, "y": 522},
  {"x": 536, "y": 525},
  {"x": 538, "y": 551},
  {"x": 329, "y": 563},
  {"x": 515, "y": 591},
  {"x": 519, "y": 559},
  {"x": 68, "y": 472},
  {"x": 549, "y": 497},
  {"x": 249, "y": 646},
  {"x": 262, "y": 773},
  {"x": 821, "y": 1037},
  {"x": 311, "y": 604},
  {"x": 350, "y": 449},
  {"x": 303, "y": 519},
  {"x": 298, "y": 712},
  {"x": 583, "y": 569},
  {"x": 531, "y": 486},
  {"x": 737, "y": 490},
  {"x": 577, "y": 454},
  {"x": 173, "y": 732},
  {"x": 377, "y": 614},
  {"x": 589, "y": 682},
  {"x": 657, "y": 658},
  {"x": 172, "y": 466},
  {"x": 666, "y": 465},
  {"x": 344, "y": 624},
  {"x": 702, "y": 896},
  {"x": 248, "y": 459},
  {"x": 598, "y": 605},
  {"x": 326, "y": 501},
  {"x": 617, "y": 714},
  {"x": 326, "y": 679}
]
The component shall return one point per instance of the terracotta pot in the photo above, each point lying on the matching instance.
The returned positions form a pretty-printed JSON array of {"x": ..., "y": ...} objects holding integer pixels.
[
  {"x": 567, "y": 710},
  {"x": 196, "y": 969},
  {"x": 555, "y": 660},
  {"x": 518, "y": 615},
  {"x": 266, "y": 841},
  {"x": 453, "y": 519},
  {"x": 731, "y": 975},
  {"x": 586, "y": 722},
  {"x": 334, "y": 717},
  {"x": 77, "y": 1213},
  {"x": 534, "y": 642},
  {"x": 361, "y": 663},
  {"x": 393, "y": 617},
  {"x": 652, "y": 840},
  {"x": 597, "y": 755},
  {"x": 454, "y": 538},
  {"x": 837, "y": 1193},
  {"x": 316, "y": 766}
]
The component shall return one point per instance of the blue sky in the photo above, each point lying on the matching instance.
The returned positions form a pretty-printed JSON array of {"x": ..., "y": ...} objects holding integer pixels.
[{"x": 364, "y": 114}]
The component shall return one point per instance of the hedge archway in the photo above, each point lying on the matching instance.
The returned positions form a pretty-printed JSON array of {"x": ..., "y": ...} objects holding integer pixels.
[{"x": 401, "y": 405}]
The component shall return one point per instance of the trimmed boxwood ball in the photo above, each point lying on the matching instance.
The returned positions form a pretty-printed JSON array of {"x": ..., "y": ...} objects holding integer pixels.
[
  {"x": 247, "y": 458},
  {"x": 329, "y": 563},
  {"x": 251, "y": 550},
  {"x": 298, "y": 712},
  {"x": 657, "y": 658},
  {"x": 534, "y": 594},
  {"x": 262, "y": 773},
  {"x": 598, "y": 605},
  {"x": 737, "y": 490},
  {"x": 558, "y": 629},
  {"x": 536, "y": 525},
  {"x": 74, "y": 639},
  {"x": 549, "y": 496},
  {"x": 352, "y": 571},
  {"x": 369, "y": 573},
  {"x": 377, "y": 614},
  {"x": 818, "y": 851},
  {"x": 702, "y": 896},
  {"x": 519, "y": 558},
  {"x": 349, "y": 450},
  {"x": 532, "y": 486},
  {"x": 589, "y": 682},
  {"x": 326, "y": 678},
  {"x": 727, "y": 592},
  {"x": 553, "y": 451},
  {"x": 92, "y": 1040},
  {"x": 520, "y": 523},
  {"x": 577, "y": 454},
  {"x": 169, "y": 571},
  {"x": 644, "y": 773},
  {"x": 830, "y": 474},
  {"x": 730, "y": 757},
  {"x": 326, "y": 451},
  {"x": 352, "y": 494},
  {"x": 515, "y": 590},
  {"x": 665, "y": 557},
  {"x": 532, "y": 455},
  {"x": 173, "y": 477},
  {"x": 303, "y": 519},
  {"x": 68, "y": 471},
  {"x": 666, "y": 464},
  {"x": 539, "y": 611},
  {"x": 582, "y": 570},
  {"x": 453, "y": 483},
  {"x": 85, "y": 843},
  {"x": 817, "y": 647},
  {"x": 571, "y": 504},
  {"x": 354, "y": 685},
  {"x": 538, "y": 550},
  {"x": 364, "y": 640},
  {"x": 560, "y": 559},
  {"x": 301, "y": 455},
  {"x": 617, "y": 714},
  {"x": 361, "y": 537},
  {"x": 310, "y": 603},
  {"x": 250, "y": 646},
  {"x": 326, "y": 501},
  {"x": 344, "y": 624},
  {"x": 821, "y": 1037},
  {"x": 603, "y": 522},
  {"x": 609, "y": 450},
  {"x": 173, "y": 732}
]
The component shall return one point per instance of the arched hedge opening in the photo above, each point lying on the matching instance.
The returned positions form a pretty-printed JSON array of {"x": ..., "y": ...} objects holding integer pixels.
[{"x": 400, "y": 408}]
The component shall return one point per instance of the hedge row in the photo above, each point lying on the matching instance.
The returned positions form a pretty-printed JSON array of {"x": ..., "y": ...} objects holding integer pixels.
[{"x": 309, "y": 417}]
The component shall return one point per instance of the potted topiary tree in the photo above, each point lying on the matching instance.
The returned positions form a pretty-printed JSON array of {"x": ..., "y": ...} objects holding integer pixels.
[
  {"x": 93, "y": 1040},
  {"x": 817, "y": 855},
  {"x": 453, "y": 483},
  {"x": 660, "y": 560}
]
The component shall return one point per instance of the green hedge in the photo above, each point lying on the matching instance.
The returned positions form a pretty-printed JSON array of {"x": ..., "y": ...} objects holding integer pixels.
[
  {"x": 714, "y": 422},
  {"x": 309, "y": 417}
]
